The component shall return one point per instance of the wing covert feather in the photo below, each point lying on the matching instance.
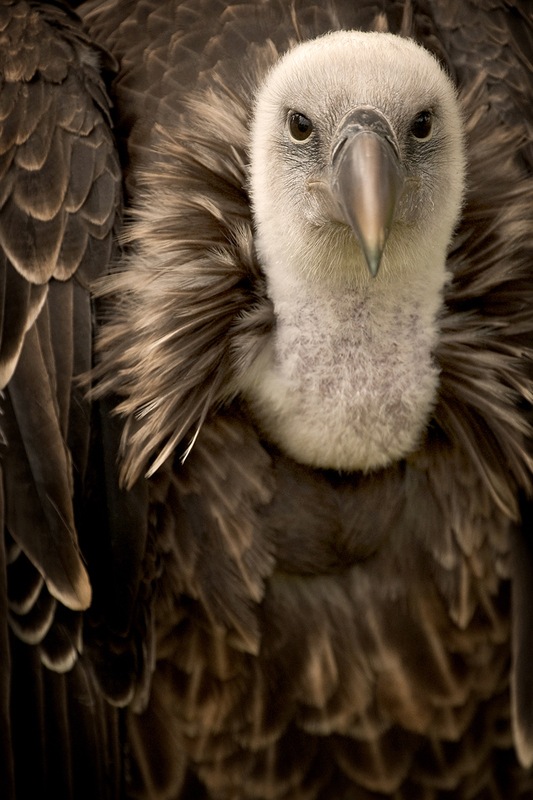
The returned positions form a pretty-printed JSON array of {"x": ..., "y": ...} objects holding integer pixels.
[{"x": 60, "y": 198}]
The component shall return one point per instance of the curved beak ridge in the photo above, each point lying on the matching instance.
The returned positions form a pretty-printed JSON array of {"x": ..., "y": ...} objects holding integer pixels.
[{"x": 367, "y": 180}]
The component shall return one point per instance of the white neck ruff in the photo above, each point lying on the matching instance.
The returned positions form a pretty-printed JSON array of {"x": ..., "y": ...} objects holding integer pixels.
[{"x": 347, "y": 380}]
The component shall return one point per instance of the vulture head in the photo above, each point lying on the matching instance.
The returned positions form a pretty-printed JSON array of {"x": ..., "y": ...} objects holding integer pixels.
[
  {"x": 335, "y": 199},
  {"x": 357, "y": 178}
]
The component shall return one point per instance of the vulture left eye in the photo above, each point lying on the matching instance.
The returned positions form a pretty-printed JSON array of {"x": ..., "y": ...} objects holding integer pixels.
[
  {"x": 300, "y": 126},
  {"x": 422, "y": 125}
]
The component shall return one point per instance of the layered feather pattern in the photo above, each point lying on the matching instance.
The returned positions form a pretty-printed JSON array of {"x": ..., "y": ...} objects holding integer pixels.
[
  {"x": 231, "y": 623},
  {"x": 60, "y": 189}
]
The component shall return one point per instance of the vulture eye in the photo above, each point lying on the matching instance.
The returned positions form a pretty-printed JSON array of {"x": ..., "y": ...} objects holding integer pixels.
[
  {"x": 300, "y": 126},
  {"x": 422, "y": 125}
]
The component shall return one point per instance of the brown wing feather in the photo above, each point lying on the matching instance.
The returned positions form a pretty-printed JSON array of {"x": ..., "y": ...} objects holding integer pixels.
[
  {"x": 59, "y": 171},
  {"x": 40, "y": 195},
  {"x": 60, "y": 190}
]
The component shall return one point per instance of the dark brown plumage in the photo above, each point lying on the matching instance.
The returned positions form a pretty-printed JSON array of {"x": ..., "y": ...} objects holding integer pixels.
[{"x": 239, "y": 625}]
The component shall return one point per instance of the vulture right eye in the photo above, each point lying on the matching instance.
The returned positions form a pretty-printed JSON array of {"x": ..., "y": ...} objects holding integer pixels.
[
  {"x": 422, "y": 125},
  {"x": 300, "y": 126}
]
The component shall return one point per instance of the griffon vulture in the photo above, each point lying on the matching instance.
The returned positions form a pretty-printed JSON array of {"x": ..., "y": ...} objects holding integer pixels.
[{"x": 266, "y": 362}]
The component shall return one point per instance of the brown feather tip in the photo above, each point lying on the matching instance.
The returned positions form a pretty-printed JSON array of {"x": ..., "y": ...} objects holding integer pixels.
[{"x": 75, "y": 594}]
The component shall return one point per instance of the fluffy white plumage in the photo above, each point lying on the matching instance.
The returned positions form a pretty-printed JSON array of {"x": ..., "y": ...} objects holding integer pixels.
[{"x": 347, "y": 381}]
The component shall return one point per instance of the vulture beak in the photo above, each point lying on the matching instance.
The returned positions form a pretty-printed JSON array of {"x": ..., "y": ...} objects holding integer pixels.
[{"x": 366, "y": 179}]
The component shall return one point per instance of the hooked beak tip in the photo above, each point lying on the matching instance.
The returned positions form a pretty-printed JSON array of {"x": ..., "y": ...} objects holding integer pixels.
[{"x": 373, "y": 260}]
